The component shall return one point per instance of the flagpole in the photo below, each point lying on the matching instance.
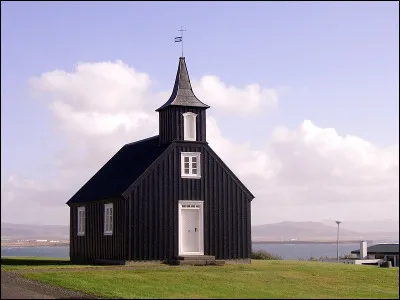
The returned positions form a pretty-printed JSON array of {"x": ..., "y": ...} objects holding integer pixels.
[{"x": 182, "y": 30}]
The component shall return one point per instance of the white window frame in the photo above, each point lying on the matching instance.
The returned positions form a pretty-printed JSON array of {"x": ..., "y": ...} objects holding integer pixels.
[
  {"x": 196, "y": 155},
  {"x": 189, "y": 117},
  {"x": 108, "y": 218},
  {"x": 81, "y": 220}
]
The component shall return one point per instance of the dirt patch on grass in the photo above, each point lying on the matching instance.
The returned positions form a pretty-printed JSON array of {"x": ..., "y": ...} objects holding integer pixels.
[{"x": 14, "y": 286}]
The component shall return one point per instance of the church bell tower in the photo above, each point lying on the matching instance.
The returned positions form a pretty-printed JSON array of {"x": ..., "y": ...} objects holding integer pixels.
[{"x": 183, "y": 116}]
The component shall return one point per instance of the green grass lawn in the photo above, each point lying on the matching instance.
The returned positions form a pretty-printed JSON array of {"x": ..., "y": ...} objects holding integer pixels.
[{"x": 261, "y": 279}]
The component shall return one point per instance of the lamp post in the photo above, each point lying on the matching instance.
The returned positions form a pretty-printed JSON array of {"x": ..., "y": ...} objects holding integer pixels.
[{"x": 337, "y": 241}]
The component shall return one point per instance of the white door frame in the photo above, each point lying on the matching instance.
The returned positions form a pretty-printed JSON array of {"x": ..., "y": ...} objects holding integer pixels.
[{"x": 200, "y": 207}]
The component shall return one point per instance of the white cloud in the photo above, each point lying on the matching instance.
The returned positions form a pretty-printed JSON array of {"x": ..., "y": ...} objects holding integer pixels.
[
  {"x": 230, "y": 98},
  {"x": 313, "y": 153},
  {"x": 306, "y": 173},
  {"x": 25, "y": 200},
  {"x": 240, "y": 157},
  {"x": 313, "y": 173},
  {"x": 103, "y": 86}
]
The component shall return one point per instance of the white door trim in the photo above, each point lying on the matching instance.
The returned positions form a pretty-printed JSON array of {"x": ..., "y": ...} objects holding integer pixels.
[{"x": 199, "y": 205}]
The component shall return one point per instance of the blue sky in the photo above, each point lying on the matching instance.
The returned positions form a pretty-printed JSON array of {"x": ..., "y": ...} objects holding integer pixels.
[{"x": 335, "y": 63}]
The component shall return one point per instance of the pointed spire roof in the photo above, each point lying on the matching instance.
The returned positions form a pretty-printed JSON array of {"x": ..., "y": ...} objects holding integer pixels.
[{"x": 182, "y": 94}]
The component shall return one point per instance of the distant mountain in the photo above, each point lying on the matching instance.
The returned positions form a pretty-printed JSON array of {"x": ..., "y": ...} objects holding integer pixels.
[
  {"x": 23, "y": 231},
  {"x": 314, "y": 231},
  {"x": 368, "y": 226}
]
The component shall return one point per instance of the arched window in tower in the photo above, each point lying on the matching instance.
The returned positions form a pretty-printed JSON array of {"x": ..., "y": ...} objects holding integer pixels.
[{"x": 189, "y": 126}]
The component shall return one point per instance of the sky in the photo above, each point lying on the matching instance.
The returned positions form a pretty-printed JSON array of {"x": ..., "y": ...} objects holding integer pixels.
[{"x": 304, "y": 99}]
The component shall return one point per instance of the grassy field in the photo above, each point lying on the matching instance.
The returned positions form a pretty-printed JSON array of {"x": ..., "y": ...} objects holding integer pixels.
[{"x": 261, "y": 279}]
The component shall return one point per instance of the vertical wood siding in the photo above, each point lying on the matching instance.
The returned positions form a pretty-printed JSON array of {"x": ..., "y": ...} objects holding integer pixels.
[
  {"x": 94, "y": 244},
  {"x": 227, "y": 224},
  {"x": 150, "y": 230},
  {"x": 171, "y": 123}
]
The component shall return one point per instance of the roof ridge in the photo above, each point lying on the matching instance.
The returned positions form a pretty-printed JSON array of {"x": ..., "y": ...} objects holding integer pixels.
[{"x": 141, "y": 141}]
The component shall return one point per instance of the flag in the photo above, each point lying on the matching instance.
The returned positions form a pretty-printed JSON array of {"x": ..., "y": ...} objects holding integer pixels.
[{"x": 178, "y": 39}]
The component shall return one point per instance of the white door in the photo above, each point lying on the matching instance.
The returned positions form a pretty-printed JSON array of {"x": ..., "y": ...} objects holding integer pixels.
[{"x": 191, "y": 228}]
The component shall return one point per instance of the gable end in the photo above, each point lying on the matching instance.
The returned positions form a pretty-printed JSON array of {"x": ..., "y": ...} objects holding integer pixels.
[{"x": 229, "y": 171}]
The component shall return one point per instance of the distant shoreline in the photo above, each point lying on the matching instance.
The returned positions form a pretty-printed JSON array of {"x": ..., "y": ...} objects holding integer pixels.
[
  {"x": 310, "y": 242},
  {"x": 32, "y": 244},
  {"x": 16, "y": 244}
]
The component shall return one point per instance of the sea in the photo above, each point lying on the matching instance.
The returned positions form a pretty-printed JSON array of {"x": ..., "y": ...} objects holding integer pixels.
[{"x": 285, "y": 251}]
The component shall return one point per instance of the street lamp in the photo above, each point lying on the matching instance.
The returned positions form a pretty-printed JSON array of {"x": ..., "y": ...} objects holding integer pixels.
[{"x": 337, "y": 241}]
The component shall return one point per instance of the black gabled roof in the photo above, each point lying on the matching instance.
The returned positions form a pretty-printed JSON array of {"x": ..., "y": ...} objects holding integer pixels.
[
  {"x": 182, "y": 94},
  {"x": 381, "y": 248},
  {"x": 120, "y": 171}
]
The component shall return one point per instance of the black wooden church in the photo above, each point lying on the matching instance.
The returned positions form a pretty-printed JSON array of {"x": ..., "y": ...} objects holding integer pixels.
[{"x": 164, "y": 197}]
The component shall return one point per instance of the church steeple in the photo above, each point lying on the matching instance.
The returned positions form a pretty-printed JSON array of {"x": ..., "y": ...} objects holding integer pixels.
[
  {"x": 182, "y": 94},
  {"x": 181, "y": 106}
]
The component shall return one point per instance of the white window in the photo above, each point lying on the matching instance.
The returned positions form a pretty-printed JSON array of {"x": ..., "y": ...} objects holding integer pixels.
[
  {"x": 190, "y": 165},
  {"x": 81, "y": 220},
  {"x": 189, "y": 126},
  {"x": 108, "y": 219}
]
